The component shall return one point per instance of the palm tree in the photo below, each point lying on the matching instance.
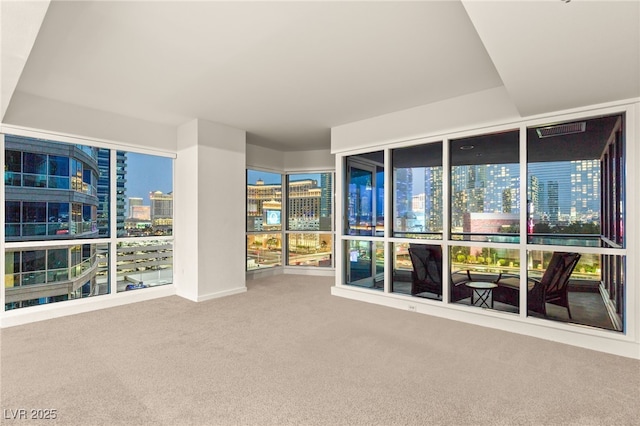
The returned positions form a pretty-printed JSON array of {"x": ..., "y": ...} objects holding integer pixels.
[{"x": 273, "y": 241}]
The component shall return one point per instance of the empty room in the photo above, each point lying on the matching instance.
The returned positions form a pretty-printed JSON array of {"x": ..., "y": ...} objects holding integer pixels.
[{"x": 320, "y": 212}]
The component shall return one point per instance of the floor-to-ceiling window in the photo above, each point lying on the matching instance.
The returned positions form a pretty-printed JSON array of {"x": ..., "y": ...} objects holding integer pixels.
[
  {"x": 417, "y": 215},
  {"x": 309, "y": 219},
  {"x": 144, "y": 215},
  {"x": 364, "y": 220},
  {"x": 264, "y": 219},
  {"x": 575, "y": 191},
  {"x": 484, "y": 200},
  {"x": 64, "y": 221},
  {"x": 526, "y": 221},
  {"x": 293, "y": 227}
]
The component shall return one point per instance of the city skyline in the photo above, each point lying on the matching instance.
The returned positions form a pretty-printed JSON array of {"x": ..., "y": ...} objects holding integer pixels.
[
  {"x": 146, "y": 174},
  {"x": 558, "y": 193},
  {"x": 558, "y": 172}
]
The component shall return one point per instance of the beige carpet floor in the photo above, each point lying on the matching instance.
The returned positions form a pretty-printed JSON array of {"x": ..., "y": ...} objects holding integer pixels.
[{"x": 288, "y": 353}]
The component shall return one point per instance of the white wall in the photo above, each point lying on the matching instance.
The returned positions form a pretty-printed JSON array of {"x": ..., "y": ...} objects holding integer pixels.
[
  {"x": 209, "y": 218},
  {"x": 262, "y": 158},
  {"x": 185, "y": 220},
  {"x": 279, "y": 161},
  {"x": 315, "y": 160},
  {"x": 39, "y": 113},
  {"x": 479, "y": 109},
  {"x": 222, "y": 209},
  {"x": 20, "y": 22}
]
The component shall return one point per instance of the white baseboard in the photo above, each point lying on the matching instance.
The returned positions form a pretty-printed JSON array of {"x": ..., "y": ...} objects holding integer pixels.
[
  {"x": 71, "y": 307},
  {"x": 219, "y": 294},
  {"x": 316, "y": 272},
  {"x": 294, "y": 270},
  {"x": 255, "y": 274}
]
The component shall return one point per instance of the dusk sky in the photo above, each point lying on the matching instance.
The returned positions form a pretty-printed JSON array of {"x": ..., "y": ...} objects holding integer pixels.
[{"x": 147, "y": 173}]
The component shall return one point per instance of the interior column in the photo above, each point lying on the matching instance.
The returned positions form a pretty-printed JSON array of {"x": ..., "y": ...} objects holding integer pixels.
[{"x": 209, "y": 211}]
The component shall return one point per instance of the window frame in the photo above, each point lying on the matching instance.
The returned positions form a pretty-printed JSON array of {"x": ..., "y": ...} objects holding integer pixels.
[
  {"x": 284, "y": 233},
  {"x": 630, "y": 117},
  {"x": 290, "y": 233},
  {"x": 87, "y": 146}
]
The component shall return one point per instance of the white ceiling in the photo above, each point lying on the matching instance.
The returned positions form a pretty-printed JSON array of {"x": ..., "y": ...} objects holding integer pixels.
[{"x": 286, "y": 72}]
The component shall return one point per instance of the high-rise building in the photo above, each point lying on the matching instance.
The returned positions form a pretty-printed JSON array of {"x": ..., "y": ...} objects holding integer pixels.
[
  {"x": 553, "y": 202},
  {"x": 326, "y": 201},
  {"x": 534, "y": 197},
  {"x": 303, "y": 204},
  {"x": 433, "y": 199},
  {"x": 260, "y": 192},
  {"x": 326, "y": 184},
  {"x": 507, "y": 199},
  {"x": 404, "y": 191},
  {"x": 585, "y": 190},
  {"x": 104, "y": 178},
  {"x": 161, "y": 210},
  {"x": 134, "y": 202},
  {"x": 51, "y": 192},
  {"x": 417, "y": 202},
  {"x": 257, "y": 195},
  {"x": 121, "y": 191},
  {"x": 141, "y": 212}
]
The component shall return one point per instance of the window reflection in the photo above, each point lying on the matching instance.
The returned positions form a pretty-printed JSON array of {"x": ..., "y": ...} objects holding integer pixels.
[
  {"x": 365, "y": 264},
  {"x": 365, "y": 194}
]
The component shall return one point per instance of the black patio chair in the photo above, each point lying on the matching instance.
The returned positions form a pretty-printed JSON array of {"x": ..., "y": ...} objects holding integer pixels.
[
  {"x": 552, "y": 287},
  {"x": 426, "y": 275}
]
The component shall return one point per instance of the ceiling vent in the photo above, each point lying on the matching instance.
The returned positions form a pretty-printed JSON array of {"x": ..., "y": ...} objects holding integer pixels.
[{"x": 561, "y": 129}]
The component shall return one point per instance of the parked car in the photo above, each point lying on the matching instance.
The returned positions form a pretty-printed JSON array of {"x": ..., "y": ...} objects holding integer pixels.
[{"x": 135, "y": 286}]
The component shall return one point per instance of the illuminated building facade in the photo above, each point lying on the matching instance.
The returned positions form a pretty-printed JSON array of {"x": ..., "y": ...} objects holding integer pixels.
[
  {"x": 51, "y": 194},
  {"x": 161, "y": 210}
]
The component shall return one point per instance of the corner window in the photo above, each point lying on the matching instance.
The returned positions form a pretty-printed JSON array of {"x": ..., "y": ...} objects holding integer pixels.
[
  {"x": 570, "y": 211},
  {"x": 292, "y": 228}
]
